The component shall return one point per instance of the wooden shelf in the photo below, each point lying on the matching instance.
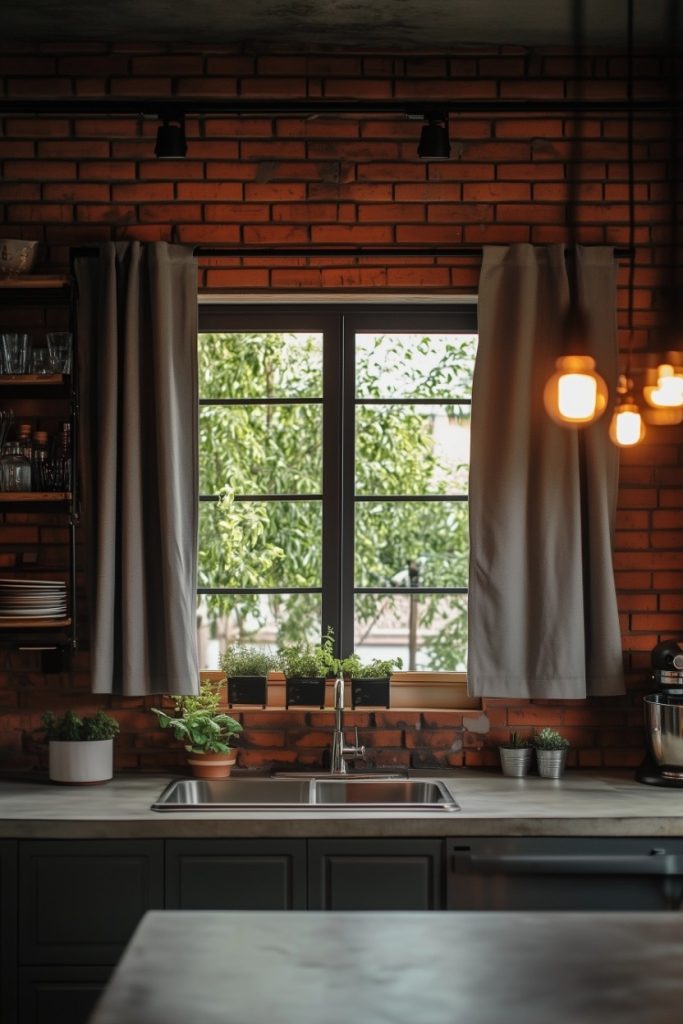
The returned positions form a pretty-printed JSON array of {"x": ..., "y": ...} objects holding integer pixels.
[
  {"x": 30, "y": 281},
  {"x": 24, "y": 379},
  {"x": 40, "y": 497},
  {"x": 21, "y": 623}
]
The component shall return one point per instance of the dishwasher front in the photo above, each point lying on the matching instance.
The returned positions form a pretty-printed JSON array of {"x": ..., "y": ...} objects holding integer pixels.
[{"x": 564, "y": 874}]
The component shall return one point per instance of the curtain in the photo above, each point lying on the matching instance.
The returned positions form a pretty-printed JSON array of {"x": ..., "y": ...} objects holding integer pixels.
[
  {"x": 137, "y": 386},
  {"x": 542, "y": 603}
]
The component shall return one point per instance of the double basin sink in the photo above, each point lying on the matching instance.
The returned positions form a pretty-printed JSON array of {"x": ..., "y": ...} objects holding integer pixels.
[{"x": 308, "y": 793}]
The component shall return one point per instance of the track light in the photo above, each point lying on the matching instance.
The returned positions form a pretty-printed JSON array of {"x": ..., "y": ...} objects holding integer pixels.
[
  {"x": 171, "y": 143},
  {"x": 434, "y": 142}
]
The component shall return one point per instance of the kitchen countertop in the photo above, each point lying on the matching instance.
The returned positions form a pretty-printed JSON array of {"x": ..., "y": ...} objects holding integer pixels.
[
  {"x": 580, "y": 804},
  {"x": 521, "y": 968}
]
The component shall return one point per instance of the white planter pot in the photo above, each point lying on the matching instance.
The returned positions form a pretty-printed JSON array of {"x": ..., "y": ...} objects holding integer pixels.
[{"x": 81, "y": 761}]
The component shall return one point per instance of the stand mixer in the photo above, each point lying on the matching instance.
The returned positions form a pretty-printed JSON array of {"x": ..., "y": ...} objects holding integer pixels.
[{"x": 663, "y": 765}]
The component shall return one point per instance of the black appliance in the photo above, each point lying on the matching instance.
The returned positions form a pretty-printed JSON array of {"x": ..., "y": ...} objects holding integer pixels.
[{"x": 667, "y": 676}]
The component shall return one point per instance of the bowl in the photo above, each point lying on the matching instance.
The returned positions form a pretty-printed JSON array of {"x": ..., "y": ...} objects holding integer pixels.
[
  {"x": 17, "y": 256},
  {"x": 664, "y": 725}
]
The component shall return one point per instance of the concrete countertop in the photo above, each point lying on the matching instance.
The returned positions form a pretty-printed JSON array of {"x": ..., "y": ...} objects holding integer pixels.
[
  {"x": 521, "y": 968},
  {"x": 580, "y": 804}
]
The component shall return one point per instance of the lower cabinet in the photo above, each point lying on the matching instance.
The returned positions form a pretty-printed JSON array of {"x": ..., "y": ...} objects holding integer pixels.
[
  {"x": 57, "y": 994},
  {"x": 79, "y": 903},
  {"x": 240, "y": 874},
  {"x": 8, "y": 929},
  {"x": 375, "y": 874}
]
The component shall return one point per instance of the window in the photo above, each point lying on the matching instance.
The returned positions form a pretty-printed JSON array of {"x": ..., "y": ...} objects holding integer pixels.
[{"x": 334, "y": 454}]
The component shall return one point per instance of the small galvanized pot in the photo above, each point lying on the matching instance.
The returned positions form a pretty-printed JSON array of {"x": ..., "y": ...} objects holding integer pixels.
[
  {"x": 551, "y": 763},
  {"x": 515, "y": 761}
]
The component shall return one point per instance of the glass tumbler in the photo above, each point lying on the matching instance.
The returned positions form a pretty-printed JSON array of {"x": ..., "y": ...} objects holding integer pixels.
[
  {"x": 16, "y": 350},
  {"x": 40, "y": 361},
  {"x": 15, "y": 469},
  {"x": 59, "y": 347}
]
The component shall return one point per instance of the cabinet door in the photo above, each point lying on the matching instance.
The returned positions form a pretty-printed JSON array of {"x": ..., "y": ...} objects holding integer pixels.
[
  {"x": 80, "y": 900},
  {"x": 48, "y": 995},
  {"x": 8, "y": 930},
  {"x": 375, "y": 874},
  {"x": 565, "y": 874},
  {"x": 236, "y": 874}
]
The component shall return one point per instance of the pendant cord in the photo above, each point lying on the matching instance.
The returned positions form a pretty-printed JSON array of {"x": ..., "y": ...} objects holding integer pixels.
[{"x": 631, "y": 189}]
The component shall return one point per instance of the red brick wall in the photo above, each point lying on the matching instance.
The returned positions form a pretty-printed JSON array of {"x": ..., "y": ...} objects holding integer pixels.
[{"x": 352, "y": 180}]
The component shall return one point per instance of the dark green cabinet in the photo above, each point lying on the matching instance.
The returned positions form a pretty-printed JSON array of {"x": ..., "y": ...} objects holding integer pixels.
[
  {"x": 8, "y": 929},
  {"x": 375, "y": 874},
  {"x": 237, "y": 874},
  {"x": 81, "y": 900},
  {"x": 56, "y": 994}
]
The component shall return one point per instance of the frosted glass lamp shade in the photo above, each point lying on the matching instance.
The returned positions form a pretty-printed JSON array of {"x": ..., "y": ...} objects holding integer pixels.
[{"x": 575, "y": 395}]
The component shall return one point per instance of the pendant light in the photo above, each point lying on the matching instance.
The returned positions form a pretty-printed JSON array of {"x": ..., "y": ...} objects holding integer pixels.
[
  {"x": 575, "y": 395},
  {"x": 627, "y": 428},
  {"x": 663, "y": 384}
]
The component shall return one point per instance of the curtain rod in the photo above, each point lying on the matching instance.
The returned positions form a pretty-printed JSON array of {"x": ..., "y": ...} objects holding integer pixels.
[{"x": 252, "y": 252}]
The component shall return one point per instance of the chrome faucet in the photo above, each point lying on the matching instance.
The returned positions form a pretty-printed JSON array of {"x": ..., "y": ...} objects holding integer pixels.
[{"x": 340, "y": 752}]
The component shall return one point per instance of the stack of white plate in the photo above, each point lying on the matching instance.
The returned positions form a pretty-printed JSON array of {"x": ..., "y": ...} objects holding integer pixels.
[{"x": 32, "y": 599}]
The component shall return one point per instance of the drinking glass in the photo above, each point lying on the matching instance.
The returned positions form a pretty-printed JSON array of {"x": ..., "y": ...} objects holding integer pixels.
[
  {"x": 16, "y": 350},
  {"x": 40, "y": 361},
  {"x": 59, "y": 347}
]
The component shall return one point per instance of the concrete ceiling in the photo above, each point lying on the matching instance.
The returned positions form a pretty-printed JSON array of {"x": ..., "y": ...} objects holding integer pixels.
[{"x": 365, "y": 24}]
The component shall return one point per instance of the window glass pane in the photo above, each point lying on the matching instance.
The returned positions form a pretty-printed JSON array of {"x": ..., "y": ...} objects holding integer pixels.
[
  {"x": 427, "y": 631},
  {"x": 412, "y": 449},
  {"x": 411, "y": 543},
  {"x": 260, "y": 449},
  {"x": 260, "y": 544},
  {"x": 414, "y": 365},
  {"x": 261, "y": 620},
  {"x": 260, "y": 365}
]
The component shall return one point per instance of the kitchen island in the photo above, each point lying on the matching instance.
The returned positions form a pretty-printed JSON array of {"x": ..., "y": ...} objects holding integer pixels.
[{"x": 483, "y": 969}]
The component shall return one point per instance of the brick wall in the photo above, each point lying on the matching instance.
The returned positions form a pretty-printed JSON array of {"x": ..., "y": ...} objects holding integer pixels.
[{"x": 352, "y": 179}]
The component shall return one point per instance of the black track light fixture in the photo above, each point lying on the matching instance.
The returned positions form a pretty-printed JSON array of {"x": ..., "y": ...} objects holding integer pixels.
[
  {"x": 171, "y": 143},
  {"x": 434, "y": 142}
]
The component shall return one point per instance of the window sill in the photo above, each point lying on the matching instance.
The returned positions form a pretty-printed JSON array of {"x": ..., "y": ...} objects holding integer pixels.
[{"x": 410, "y": 691}]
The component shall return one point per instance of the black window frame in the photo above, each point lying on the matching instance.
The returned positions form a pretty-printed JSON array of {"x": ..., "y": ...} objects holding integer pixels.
[{"x": 338, "y": 322}]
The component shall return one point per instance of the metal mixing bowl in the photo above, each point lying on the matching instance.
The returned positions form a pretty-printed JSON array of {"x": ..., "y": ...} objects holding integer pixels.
[
  {"x": 17, "y": 256},
  {"x": 664, "y": 727}
]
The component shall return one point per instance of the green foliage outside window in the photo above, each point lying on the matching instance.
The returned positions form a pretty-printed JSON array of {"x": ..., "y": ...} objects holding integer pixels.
[{"x": 262, "y": 449}]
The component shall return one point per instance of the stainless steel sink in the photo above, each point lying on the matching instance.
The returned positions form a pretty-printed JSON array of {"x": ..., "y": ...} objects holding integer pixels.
[{"x": 312, "y": 794}]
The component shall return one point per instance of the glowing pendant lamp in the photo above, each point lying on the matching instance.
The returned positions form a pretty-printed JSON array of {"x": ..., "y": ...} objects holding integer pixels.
[
  {"x": 627, "y": 427},
  {"x": 663, "y": 388},
  {"x": 575, "y": 395}
]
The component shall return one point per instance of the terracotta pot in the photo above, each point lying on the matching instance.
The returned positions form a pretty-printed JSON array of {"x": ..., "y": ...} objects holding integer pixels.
[{"x": 212, "y": 766}]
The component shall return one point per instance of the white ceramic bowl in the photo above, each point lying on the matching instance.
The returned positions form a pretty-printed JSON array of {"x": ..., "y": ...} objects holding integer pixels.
[{"x": 17, "y": 256}]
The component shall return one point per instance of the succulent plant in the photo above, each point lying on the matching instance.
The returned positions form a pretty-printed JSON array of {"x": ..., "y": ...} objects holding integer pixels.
[
  {"x": 517, "y": 741},
  {"x": 548, "y": 739}
]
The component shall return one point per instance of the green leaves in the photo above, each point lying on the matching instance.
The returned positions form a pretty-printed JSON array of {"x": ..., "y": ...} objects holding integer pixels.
[
  {"x": 199, "y": 722},
  {"x": 71, "y": 728}
]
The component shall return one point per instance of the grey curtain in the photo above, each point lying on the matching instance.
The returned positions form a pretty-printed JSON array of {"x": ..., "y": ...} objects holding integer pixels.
[
  {"x": 137, "y": 385},
  {"x": 542, "y": 604}
]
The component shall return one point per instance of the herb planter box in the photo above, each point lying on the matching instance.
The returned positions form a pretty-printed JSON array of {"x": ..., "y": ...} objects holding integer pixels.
[
  {"x": 370, "y": 692},
  {"x": 247, "y": 690},
  {"x": 300, "y": 690}
]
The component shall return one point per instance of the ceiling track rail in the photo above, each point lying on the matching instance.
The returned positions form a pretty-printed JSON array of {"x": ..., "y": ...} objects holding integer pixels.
[{"x": 316, "y": 107}]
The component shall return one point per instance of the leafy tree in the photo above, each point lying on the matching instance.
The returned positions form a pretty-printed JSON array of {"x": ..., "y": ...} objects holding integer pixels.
[{"x": 264, "y": 449}]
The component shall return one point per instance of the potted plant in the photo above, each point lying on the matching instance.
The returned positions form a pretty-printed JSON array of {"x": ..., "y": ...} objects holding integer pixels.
[
  {"x": 515, "y": 755},
  {"x": 306, "y": 667},
  {"x": 247, "y": 671},
  {"x": 370, "y": 682},
  {"x": 551, "y": 753},
  {"x": 205, "y": 730},
  {"x": 80, "y": 750}
]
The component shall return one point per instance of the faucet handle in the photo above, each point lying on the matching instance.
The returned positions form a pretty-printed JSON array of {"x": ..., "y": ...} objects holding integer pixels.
[{"x": 360, "y": 751}]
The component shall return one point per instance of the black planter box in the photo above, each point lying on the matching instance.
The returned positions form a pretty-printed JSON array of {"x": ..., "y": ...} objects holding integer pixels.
[
  {"x": 247, "y": 690},
  {"x": 302, "y": 691},
  {"x": 370, "y": 693}
]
